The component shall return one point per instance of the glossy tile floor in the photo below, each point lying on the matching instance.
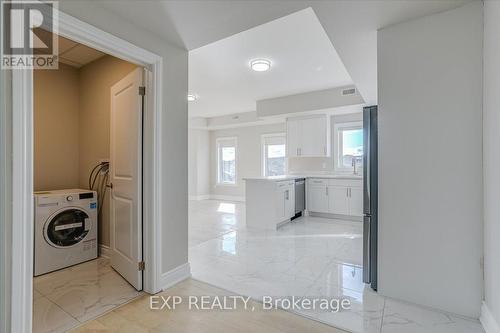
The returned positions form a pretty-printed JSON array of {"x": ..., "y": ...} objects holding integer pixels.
[
  {"x": 310, "y": 257},
  {"x": 137, "y": 317},
  {"x": 64, "y": 299}
]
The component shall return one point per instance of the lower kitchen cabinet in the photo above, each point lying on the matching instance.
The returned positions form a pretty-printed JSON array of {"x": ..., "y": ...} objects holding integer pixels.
[
  {"x": 335, "y": 196},
  {"x": 317, "y": 198},
  {"x": 338, "y": 200},
  {"x": 285, "y": 201},
  {"x": 356, "y": 201}
]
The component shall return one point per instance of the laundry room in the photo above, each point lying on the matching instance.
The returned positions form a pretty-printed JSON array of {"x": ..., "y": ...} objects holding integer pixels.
[{"x": 84, "y": 121}]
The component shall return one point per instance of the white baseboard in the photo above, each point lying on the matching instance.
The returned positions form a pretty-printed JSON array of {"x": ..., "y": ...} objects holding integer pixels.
[
  {"x": 104, "y": 251},
  {"x": 217, "y": 197},
  {"x": 175, "y": 276},
  {"x": 227, "y": 197},
  {"x": 199, "y": 197},
  {"x": 336, "y": 216},
  {"x": 490, "y": 325}
]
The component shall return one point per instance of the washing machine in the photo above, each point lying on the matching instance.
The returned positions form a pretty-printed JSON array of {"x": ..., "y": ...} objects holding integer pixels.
[{"x": 65, "y": 229}]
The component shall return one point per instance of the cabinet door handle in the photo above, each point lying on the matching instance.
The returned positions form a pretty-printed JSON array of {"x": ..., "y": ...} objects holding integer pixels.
[
  {"x": 347, "y": 191},
  {"x": 327, "y": 190},
  {"x": 324, "y": 150},
  {"x": 286, "y": 194}
]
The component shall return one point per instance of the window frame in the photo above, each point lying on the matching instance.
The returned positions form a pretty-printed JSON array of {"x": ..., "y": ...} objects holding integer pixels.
[
  {"x": 338, "y": 145},
  {"x": 263, "y": 156},
  {"x": 218, "y": 146}
]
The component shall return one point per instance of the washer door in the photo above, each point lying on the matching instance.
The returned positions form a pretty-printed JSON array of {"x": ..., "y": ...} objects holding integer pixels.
[{"x": 67, "y": 228}]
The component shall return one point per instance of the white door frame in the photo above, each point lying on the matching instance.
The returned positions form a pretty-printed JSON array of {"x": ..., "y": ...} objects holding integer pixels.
[{"x": 22, "y": 166}]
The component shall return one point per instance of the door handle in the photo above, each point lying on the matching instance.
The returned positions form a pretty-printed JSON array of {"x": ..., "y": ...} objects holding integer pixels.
[{"x": 110, "y": 185}]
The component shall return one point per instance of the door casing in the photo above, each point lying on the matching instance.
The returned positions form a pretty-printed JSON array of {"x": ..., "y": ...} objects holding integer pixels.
[{"x": 21, "y": 247}]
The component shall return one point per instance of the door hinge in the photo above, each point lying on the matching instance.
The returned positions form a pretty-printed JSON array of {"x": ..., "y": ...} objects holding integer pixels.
[
  {"x": 142, "y": 265},
  {"x": 142, "y": 91}
]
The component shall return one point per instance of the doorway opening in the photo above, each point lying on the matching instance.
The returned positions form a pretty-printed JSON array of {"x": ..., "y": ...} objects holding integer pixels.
[
  {"x": 23, "y": 163},
  {"x": 88, "y": 143},
  {"x": 277, "y": 193}
]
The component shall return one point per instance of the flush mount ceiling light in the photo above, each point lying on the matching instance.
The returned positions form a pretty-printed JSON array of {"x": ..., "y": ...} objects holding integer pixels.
[
  {"x": 260, "y": 65},
  {"x": 192, "y": 97}
]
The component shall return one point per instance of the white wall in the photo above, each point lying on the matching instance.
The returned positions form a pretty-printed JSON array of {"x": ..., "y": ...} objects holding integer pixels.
[
  {"x": 308, "y": 101},
  {"x": 491, "y": 158},
  {"x": 248, "y": 156},
  {"x": 174, "y": 123},
  {"x": 430, "y": 153},
  {"x": 199, "y": 163}
]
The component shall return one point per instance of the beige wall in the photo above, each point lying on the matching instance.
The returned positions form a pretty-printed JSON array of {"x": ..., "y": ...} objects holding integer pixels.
[
  {"x": 72, "y": 125},
  {"x": 56, "y": 98}
]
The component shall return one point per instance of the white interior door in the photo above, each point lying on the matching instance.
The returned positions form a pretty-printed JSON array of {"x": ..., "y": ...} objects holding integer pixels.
[{"x": 126, "y": 178}]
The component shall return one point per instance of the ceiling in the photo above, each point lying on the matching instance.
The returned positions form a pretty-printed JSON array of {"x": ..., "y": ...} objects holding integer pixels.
[
  {"x": 350, "y": 25},
  {"x": 302, "y": 59},
  {"x": 70, "y": 52},
  {"x": 75, "y": 54}
]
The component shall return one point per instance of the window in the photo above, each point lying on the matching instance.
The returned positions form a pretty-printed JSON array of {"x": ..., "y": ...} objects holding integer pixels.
[
  {"x": 226, "y": 161},
  {"x": 348, "y": 150},
  {"x": 273, "y": 154}
]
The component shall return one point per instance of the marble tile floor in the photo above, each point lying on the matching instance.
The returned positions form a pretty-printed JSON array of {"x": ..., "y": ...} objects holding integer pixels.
[
  {"x": 137, "y": 317},
  {"x": 310, "y": 257},
  {"x": 66, "y": 298}
]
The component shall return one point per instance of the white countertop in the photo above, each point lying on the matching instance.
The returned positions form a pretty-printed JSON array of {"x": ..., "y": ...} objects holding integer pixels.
[{"x": 292, "y": 177}]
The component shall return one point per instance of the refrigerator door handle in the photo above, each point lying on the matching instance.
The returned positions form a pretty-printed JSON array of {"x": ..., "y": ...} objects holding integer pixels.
[{"x": 366, "y": 249}]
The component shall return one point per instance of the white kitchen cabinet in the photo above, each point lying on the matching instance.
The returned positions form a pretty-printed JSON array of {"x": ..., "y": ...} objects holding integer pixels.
[
  {"x": 290, "y": 201},
  {"x": 269, "y": 202},
  {"x": 308, "y": 136},
  {"x": 317, "y": 198},
  {"x": 285, "y": 201},
  {"x": 293, "y": 135},
  {"x": 335, "y": 196},
  {"x": 356, "y": 201},
  {"x": 280, "y": 205},
  {"x": 338, "y": 200}
]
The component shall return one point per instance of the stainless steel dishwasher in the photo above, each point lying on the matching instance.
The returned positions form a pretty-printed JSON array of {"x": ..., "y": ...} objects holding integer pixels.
[{"x": 300, "y": 196}]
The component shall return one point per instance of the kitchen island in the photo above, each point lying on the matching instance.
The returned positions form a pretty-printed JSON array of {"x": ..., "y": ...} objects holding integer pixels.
[{"x": 270, "y": 201}]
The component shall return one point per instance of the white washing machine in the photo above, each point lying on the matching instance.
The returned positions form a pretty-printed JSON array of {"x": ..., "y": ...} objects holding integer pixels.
[{"x": 65, "y": 229}]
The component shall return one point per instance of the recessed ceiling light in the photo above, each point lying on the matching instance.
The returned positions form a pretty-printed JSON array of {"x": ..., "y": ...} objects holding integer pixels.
[
  {"x": 192, "y": 98},
  {"x": 260, "y": 65}
]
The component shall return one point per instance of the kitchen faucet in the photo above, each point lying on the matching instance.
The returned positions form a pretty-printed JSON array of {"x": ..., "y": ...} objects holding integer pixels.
[{"x": 355, "y": 171}]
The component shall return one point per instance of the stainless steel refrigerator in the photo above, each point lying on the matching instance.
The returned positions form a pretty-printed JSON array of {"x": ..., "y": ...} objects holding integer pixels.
[{"x": 370, "y": 191}]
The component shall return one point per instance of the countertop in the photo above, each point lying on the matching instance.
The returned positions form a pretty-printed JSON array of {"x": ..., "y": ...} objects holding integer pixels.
[{"x": 293, "y": 177}]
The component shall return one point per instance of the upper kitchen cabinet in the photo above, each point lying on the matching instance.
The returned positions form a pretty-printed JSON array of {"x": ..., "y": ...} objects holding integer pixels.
[{"x": 308, "y": 136}]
